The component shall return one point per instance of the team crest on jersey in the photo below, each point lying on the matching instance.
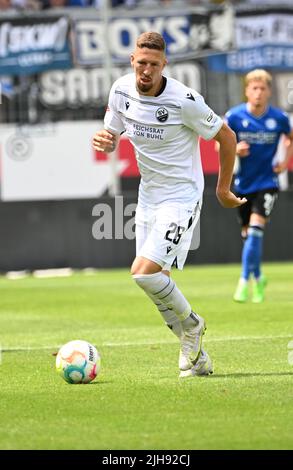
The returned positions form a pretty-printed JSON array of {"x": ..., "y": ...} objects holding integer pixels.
[
  {"x": 245, "y": 123},
  {"x": 271, "y": 124},
  {"x": 162, "y": 114}
]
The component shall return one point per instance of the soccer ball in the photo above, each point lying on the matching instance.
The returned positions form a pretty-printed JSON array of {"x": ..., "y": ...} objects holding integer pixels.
[{"x": 78, "y": 362}]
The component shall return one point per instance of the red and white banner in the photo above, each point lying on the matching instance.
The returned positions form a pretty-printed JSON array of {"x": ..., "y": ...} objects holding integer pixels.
[{"x": 57, "y": 161}]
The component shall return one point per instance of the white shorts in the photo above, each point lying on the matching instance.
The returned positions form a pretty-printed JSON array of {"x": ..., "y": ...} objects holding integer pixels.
[{"x": 164, "y": 233}]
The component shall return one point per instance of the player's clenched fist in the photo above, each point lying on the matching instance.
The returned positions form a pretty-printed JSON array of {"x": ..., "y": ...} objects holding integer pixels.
[
  {"x": 228, "y": 200},
  {"x": 104, "y": 141}
]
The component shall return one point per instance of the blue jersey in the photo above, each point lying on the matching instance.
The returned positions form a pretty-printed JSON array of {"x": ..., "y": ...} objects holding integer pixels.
[{"x": 262, "y": 133}]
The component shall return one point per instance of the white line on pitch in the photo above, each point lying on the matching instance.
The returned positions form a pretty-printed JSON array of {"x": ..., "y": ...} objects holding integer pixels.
[
  {"x": 27, "y": 348},
  {"x": 153, "y": 343},
  {"x": 208, "y": 340}
]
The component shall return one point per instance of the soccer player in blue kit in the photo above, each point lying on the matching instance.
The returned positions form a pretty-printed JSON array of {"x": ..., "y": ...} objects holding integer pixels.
[{"x": 258, "y": 127}]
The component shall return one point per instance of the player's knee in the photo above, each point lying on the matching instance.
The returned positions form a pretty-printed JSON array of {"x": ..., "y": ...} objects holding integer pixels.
[
  {"x": 149, "y": 282},
  {"x": 144, "y": 266},
  {"x": 146, "y": 282},
  {"x": 137, "y": 269},
  {"x": 138, "y": 266},
  {"x": 244, "y": 235},
  {"x": 255, "y": 230},
  {"x": 141, "y": 280}
]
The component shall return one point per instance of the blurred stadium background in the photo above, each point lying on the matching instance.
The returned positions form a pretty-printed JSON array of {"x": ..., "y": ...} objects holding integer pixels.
[{"x": 57, "y": 61}]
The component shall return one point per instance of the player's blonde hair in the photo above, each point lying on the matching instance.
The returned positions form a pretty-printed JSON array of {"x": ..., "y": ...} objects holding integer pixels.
[
  {"x": 151, "y": 40},
  {"x": 259, "y": 74}
]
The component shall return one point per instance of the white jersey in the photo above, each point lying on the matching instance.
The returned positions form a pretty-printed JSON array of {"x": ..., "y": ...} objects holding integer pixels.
[{"x": 164, "y": 131}]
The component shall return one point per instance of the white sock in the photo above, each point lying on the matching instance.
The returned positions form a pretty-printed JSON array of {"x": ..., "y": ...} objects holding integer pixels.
[
  {"x": 163, "y": 289},
  {"x": 170, "y": 318}
]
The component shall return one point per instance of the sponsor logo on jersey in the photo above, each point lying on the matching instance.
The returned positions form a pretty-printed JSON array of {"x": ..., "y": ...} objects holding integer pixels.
[
  {"x": 127, "y": 104},
  {"x": 169, "y": 248},
  {"x": 271, "y": 123},
  {"x": 260, "y": 137},
  {"x": 162, "y": 114},
  {"x": 189, "y": 96}
]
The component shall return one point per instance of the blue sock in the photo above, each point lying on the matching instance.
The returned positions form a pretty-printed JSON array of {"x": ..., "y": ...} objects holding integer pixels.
[{"x": 252, "y": 252}]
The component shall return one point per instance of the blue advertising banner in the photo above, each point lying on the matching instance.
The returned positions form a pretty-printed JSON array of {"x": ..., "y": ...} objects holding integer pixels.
[
  {"x": 243, "y": 60},
  {"x": 33, "y": 45},
  {"x": 187, "y": 35},
  {"x": 262, "y": 39}
]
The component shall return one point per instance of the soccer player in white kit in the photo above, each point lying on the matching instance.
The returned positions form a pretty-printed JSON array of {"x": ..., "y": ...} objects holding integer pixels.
[{"x": 164, "y": 119}]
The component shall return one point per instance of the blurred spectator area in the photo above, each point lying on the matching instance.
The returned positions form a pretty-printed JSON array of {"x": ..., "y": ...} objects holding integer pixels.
[
  {"x": 22, "y": 96},
  {"x": 45, "y": 4}
]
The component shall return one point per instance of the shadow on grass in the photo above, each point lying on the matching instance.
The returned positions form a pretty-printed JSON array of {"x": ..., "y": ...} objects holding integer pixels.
[
  {"x": 101, "y": 382},
  {"x": 249, "y": 374}
]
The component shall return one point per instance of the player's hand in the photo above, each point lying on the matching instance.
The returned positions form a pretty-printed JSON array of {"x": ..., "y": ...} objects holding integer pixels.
[
  {"x": 104, "y": 141},
  {"x": 280, "y": 167},
  {"x": 242, "y": 149},
  {"x": 228, "y": 200}
]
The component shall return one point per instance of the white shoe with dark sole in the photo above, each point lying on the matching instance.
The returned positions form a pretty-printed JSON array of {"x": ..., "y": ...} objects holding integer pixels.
[
  {"x": 204, "y": 366},
  {"x": 191, "y": 344}
]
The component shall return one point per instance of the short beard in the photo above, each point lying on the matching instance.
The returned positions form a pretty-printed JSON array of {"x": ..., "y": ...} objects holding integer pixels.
[{"x": 144, "y": 87}]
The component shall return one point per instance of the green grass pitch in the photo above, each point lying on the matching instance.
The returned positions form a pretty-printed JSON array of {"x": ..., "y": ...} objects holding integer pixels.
[{"x": 137, "y": 401}]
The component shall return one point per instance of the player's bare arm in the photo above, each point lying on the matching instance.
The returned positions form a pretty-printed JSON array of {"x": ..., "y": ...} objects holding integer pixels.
[
  {"x": 283, "y": 166},
  {"x": 105, "y": 141},
  {"x": 227, "y": 151},
  {"x": 242, "y": 148}
]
